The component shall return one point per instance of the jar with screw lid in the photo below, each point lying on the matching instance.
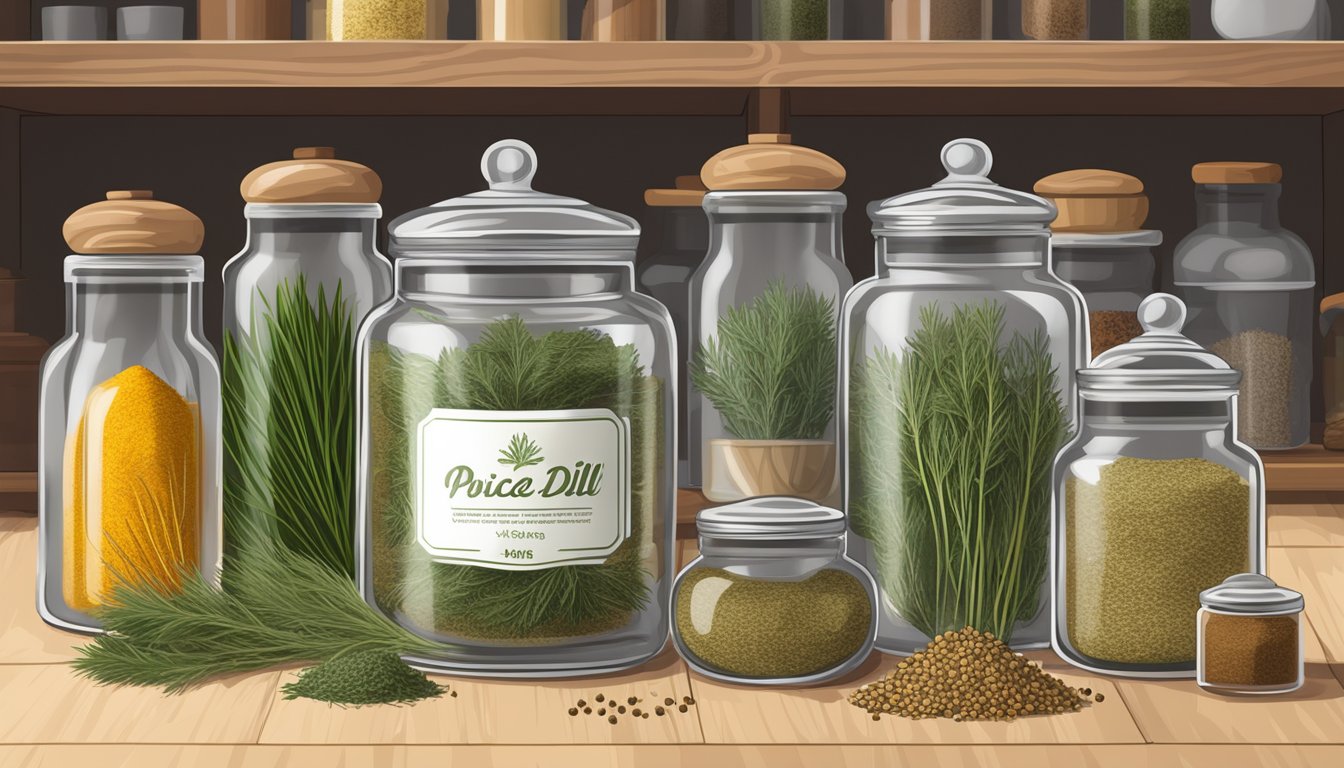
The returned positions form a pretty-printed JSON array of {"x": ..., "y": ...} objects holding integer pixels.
[{"x": 1250, "y": 636}]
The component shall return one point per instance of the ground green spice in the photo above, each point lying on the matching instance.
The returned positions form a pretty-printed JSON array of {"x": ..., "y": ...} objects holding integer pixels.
[
  {"x": 363, "y": 678},
  {"x": 1250, "y": 651},
  {"x": 794, "y": 19},
  {"x": 1157, "y": 19},
  {"x": 1141, "y": 543},
  {"x": 772, "y": 629}
]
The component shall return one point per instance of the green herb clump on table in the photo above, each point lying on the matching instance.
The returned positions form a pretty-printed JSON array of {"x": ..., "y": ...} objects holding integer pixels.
[
  {"x": 952, "y": 444},
  {"x": 770, "y": 369},
  {"x": 363, "y": 678}
]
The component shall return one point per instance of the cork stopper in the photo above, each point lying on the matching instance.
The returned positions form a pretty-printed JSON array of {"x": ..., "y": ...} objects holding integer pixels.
[
  {"x": 770, "y": 161},
  {"x": 1237, "y": 173},
  {"x": 133, "y": 222},
  {"x": 1094, "y": 200},
  {"x": 689, "y": 192},
  {"x": 314, "y": 175}
]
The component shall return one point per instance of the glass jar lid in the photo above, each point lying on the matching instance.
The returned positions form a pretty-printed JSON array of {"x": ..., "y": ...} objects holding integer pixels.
[
  {"x": 1162, "y": 359},
  {"x": 967, "y": 202},
  {"x": 1083, "y": 241},
  {"x": 770, "y": 518},
  {"x": 511, "y": 217},
  {"x": 1252, "y": 593}
]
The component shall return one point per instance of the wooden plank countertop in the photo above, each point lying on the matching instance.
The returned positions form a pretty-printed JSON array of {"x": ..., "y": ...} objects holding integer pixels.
[{"x": 50, "y": 717}]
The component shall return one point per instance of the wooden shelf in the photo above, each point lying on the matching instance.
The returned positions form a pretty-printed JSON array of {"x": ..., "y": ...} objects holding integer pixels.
[{"x": 1310, "y": 468}]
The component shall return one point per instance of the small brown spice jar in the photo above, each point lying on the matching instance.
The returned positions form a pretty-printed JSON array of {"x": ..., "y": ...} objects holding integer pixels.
[{"x": 1250, "y": 637}]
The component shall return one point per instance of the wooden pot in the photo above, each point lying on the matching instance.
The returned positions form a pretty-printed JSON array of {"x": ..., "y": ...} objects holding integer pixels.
[{"x": 744, "y": 469}]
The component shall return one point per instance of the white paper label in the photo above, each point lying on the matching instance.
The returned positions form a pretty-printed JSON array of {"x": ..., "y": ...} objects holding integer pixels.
[{"x": 522, "y": 490}]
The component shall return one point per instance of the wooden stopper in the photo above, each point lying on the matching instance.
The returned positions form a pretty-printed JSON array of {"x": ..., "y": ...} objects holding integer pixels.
[
  {"x": 768, "y": 161},
  {"x": 1237, "y": 173},
  {"x": 133, "y": 222},
  {"x": 314, "y": 175}
]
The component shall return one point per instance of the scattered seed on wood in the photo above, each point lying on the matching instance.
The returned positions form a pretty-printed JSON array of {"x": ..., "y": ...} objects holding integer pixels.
[
  {"x": 602, "y": 711},
  {"x": 612, "y": 719},
  {"x": 587, "y": 710},
  {"x": 573, "y": 711},
  {"x": 582, "y": 703},
  {"x": 601, "y": 698},
  {"x": 659, "y": 711},
  {"x": 621, "y": 709},
  {"x": 632, "y": 701},
  {"x": 682, "y": 708},
  {"x": 1100, "y": 697},
  {"x": 636, "y": 712},
  {"x": 669, "y": 701}
]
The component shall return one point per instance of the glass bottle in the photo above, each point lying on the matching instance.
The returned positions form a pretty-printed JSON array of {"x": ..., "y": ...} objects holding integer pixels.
[
  {"x": 613, "y": 20},
  {"x": 1156, "y": 500},
  {"x": 1332, "y": 370},
  {"x": 128, "y": 428},
  {"x": 764, "y": 310},
  {"x": 382, "y": 19},
  {"x": 964, "y": 310},
  {"x": 522, "y": 20},
  {"x": 940, "y": 19},
  {"x": 792, "y": 19},
  {"x": 1272, "y": 19},
  {"x": 517, "y": 383},
  {"x": 1250, "y": 637},
  {"x": 701, "y": 19},
  {"x": 294, "y": 298},
  {"x": 1249, "y": 285},
  {"x": 1157, "y": 19},
  {"x": 1055, "y": 19},
  {"x": 772, "y": 573}
]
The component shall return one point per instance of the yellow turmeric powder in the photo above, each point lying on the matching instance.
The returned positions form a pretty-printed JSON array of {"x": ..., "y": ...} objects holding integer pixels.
[{"x": 132, "y": 489}]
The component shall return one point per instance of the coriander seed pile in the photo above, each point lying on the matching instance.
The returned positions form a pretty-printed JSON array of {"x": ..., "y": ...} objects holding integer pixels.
[{"x": 968, "y": 675}]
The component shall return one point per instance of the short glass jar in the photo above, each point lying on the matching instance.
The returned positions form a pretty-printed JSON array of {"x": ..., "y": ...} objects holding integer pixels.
[
  {"x": 773, "y": 599},
  {"x": 522, "y": 20},
  {"x": 1250, "y": 637},
  {"x": 792, "y": 19},
  {"x": 940, "y": 19},
  {"x": 1114, "y": 271}
]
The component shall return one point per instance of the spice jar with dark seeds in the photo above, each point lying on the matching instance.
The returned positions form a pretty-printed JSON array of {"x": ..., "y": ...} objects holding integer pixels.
[
  {"x": 792, "y": 19},
  {"x": 772, "y": 599},
  {"x": 1250, "y": 636},
  {"x": 1157, "y": 19}
]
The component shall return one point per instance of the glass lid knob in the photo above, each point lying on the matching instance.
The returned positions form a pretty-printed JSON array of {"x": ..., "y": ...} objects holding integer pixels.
[
  {"x": 1162, "y": 313},
  {"x": 509, "y": 165},
  {"x": 967, "y": 160}
]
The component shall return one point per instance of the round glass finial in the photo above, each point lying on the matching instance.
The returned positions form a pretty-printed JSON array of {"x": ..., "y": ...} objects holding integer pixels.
[
  {"x": 509, "y": 164},
  {"x": 1162, "y": 313},
  {"x": 968, "y": 158}
]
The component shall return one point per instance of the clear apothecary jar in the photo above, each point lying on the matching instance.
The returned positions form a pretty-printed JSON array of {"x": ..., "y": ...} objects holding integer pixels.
[
  {"x": 1249, "y": 285},
  {"x": 129, "y": 414},
  {"x": 522, "y": 20},
  {"x": 516, "y": 440},
  {"x": 1156, "y": 501},
  {"x": 958, "y": 390},
  {"x": 377, "y": 19},
  {"x": 772, "y": 599},
  {"x": 764, "y": 314},
  {"x": 294, "y": 298},
  {"x": 940, "y": 19},
  {"x": 1250, "y": 637}
]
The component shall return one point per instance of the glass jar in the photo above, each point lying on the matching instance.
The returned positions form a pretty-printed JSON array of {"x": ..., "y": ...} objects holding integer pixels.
[
  {"x": 1157, "y": 19},
  {"x": 940, "y": 19},
  {"x": 613, "y": 20},
  {"x": 522, "y": 20},
  {"x": 1114, "y": 271},
  {"x": 1272, "y": 19},
  {"x": 1249, "y": 285},
  {"x": 516, "y": 445},
  {"x": 1156, "y": 500},
  {"x": 665, "y": 272},
  {"x": 964, "y": 310},
  {"x": 772, "y": 599},
  {"x": 764, "y": 311},
  {"x": 380, "y": 20},
  {"x": 293, "y": 301},
  {"x": 1250, "y": 637},
  {"x": 701, "y": 19},
  {"x": 1332, "y": 370},
  {"x": 128, "y": 428},
  {"x": 20, "y": 367},
  {"x": 792, "y": 19},
  {"x": 1055, "y": 19},
  {"x": 244, "y": 19}
]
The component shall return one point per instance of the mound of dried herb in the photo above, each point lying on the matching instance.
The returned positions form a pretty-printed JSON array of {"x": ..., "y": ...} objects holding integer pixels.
[{"x": 363, "y": 678}]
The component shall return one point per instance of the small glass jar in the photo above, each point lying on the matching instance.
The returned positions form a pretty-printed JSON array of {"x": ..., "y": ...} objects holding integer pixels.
[
  {"x": 792, "y": 19},
  {"x": 1055, "y": 19},
  {"x": 522, "y": 20},
  {"x": 517, "y": 449},
  {"x": 1157, "y": 19},
  {"x": 293, "y": 300},
  {"x": 1156, "y": 501},
  {"x": 764, "y": 312},
  {"x": 615, "y": 20},
  {"x": 772, "y": 599},
  {"x": 129, "y": 414},
  {"x": 1249, "y": 285},
  {"x": 940, "y": 19},
  {"x": 378, "y": 19},
  {"x": 1250, "y": 637},
  {"x": 1272, "y": 19},
  {"x": 702, "y": 19},
  {"x": 1114, "y": 271},
  {"x": 244, "y": 19},
  {"x": 1332, "y": 370}
]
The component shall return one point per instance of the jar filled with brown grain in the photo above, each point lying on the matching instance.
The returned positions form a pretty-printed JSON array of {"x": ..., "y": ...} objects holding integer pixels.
[
  {"x": 613, "y": 20},
  {"x": 1055, "y": 19},
  {"x": 940, "y": 19},
  {"x": 244, "y": 19},
  {"x": 379, "y": 19},
  {"x": 1250, "y": 636},
  {"x": 522, "y": 20}
]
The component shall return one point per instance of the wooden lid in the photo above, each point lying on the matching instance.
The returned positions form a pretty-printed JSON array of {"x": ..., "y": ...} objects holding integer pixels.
[
  {"x": 132, "y": 221},
  {"x": 1332, "y": 302},
  {"x": 769, "y": 161},
  {"x": 1089, "y": 182},
  {"x": 689, "y": 193},
  {"x": 313, "y": 176},
  {"x": 1237, "y": 173}
]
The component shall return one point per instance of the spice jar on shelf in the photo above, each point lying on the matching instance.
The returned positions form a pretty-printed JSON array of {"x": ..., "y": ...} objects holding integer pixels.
[
  {"x": 792, "y": 19},
  {"x": 772, "y": 599},
  {"x": 1157, "y": 500},
  {"x": 20, "y": 359},
  {"x": 522, "y": 19},
  {"x": 385, "y": 20},
  {"x": 1101, "y": 248},
  {"x": 940, "y": 19},
  {"x": 1157, "y": 19},
  {"x": 293, "y": 301},
  {"x": 1055, "y": 19},
  {"x": 129, "y": 414},
  {"x": 764, "y": 310},
  {"x": 517, "y": 383},
  {"x": 1272, "y": 19},
  {"x": 1250, "y": 636},
  {"x": 623, "y": 19},
  {"x": 702, "y": 19},
  {"x": 244, "y": 19},
  {"x": 1249, "y": 286},
  {"x": 964, "y": 310},
  {"x": 1332, "y": 370}
]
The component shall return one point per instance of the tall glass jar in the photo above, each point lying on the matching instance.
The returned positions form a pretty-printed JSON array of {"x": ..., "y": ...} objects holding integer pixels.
[
  {"x": 940, "y": 19},
  {"x": 615, "y": 20},
  {"x": 379, "y": 19},
  {"x": 129, "y": 414},
  {"x": 522, "y": 19},
  {"x": 764, "y": 312},
  {"x": 792, "y": 19},
  {"x": 293, "y": 301},
  {"x": 517, "y": 449},
  {"x": 958, "y": 390},
  {"x": 1156, "y": 501},
  {"x": 1249, "y": 286}
]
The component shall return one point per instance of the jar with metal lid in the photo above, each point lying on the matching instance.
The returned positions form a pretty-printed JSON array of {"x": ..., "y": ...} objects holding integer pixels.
[
  {"x": 1249, "y": 285},
  {"x": 517, "y": 452},
  {"x": 1156, "y": 500},
  {"x": 772, "y": 599},
  {"x": 1332, "y": 370},
  {"x": 294, "y": 298},
  {"x": 128, "y": 430},
  {"x": 958, "y": 390},
  {"x": 522, "y": 19},
  {"x": 1250, "y": 636},
  {"x": 764, "y": 312}
]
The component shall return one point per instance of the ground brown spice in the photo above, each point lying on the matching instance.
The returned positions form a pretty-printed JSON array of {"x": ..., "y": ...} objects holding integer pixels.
[
  {"x": 1111, "y": 328},
  {"x": 1250, "y": 650}
]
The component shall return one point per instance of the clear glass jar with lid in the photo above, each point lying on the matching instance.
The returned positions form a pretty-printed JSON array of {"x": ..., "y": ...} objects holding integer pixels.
[
  {"x": 958, "y": 359},
  {"x": 1250, "y": 636},
  {"x": 1249, "y": 285},
  {"x": 1156, "y": 501},
  {"x": 764, "y": 312},
  {"x": 128, "y": 428},
  {"x": 522, "y": 19},
  {"x": 293, "y": 301},
  {"x": 772, "y": 599},
  {"x": 516, "y": 441}
]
